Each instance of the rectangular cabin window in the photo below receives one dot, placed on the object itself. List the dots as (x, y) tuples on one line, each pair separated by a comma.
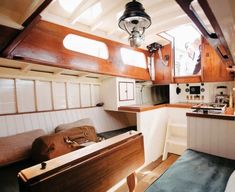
[(86, 46), (133, 58)]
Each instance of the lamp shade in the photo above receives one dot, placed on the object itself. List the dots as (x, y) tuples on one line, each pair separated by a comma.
[(134, 20)]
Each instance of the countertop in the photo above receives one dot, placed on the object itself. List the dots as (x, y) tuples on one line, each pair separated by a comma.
[(142, 108), (227, 115)]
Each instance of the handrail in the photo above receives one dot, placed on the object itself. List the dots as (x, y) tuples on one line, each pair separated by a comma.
[(215, 39), (190, 11)]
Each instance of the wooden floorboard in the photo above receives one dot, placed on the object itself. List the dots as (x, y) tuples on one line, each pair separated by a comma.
[(150, 173)]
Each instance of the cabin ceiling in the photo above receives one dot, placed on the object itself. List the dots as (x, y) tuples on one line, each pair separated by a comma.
[(14, 13), (98, 17)]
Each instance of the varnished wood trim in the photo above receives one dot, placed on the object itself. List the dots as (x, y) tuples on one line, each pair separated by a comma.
[(180, 105), (188, 79), (15, 42), (46, 111), (215, 39), (6, 35), (108, 162), (55, 54), (28, 24), (142, 108), (132, 182)]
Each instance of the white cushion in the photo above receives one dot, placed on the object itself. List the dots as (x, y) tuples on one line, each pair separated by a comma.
[(231, 183)]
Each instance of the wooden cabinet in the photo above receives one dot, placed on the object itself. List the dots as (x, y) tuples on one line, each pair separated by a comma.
[(118, 92), (163, 73), (213, 68)]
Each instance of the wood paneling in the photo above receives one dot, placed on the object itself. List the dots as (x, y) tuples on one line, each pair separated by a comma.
[(13, 43), (44, 45), (163, 73), (216, 39), (95, 168), (6, 34), (15, 37), (188, 79), (142, 108), (214, 69)]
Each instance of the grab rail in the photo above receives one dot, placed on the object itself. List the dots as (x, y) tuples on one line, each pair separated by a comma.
[(215, 39)]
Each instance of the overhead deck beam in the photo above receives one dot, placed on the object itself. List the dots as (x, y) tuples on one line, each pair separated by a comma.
[(83, 6), (28, 24), (107, 13)]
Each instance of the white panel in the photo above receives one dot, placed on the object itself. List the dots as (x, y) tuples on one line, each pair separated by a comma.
[(130, 91), (7, 96), (34, 121), (19, 123), (44, 95), (49, 126), (95, 95), (27, 122), (25, 95), (11, 125), (70, 116), (3, 127), (85, 95), (122, 91), (103, 121), (60, 118), (213, 136), (53, 118), (73, 95), (59, 95), (152, 124)]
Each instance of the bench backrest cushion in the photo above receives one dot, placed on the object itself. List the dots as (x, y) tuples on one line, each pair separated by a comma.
[(78, 123)]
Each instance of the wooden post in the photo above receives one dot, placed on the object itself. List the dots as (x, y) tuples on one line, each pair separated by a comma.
[(132, 182)]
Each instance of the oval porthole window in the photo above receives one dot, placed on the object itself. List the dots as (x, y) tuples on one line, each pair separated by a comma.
[(87, 46), (133, 58)]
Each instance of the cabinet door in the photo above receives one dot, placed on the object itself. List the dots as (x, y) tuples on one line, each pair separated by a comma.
[(122, 91), (130, 90), (163, 73)]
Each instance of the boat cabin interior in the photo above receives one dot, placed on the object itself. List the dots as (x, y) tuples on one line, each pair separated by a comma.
[(117, 96)]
